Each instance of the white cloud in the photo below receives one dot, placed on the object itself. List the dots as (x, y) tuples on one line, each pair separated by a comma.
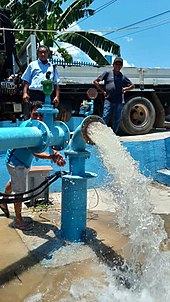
[(70, 48), (128, 39), (126, 64), (73, 51)]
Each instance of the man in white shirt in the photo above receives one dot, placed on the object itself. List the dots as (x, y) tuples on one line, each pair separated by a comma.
[(33, 77)]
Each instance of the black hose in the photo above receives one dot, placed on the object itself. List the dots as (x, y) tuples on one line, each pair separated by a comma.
[(36, 188), (48, 182)]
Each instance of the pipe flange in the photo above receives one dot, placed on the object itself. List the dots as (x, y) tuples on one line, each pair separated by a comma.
[(45, 135), (63, 136), (86, 122)]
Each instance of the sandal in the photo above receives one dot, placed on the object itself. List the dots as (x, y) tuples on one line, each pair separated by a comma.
[(5, 211)]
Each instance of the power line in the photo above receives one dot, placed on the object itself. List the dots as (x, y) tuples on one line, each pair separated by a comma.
[(124, 27), (97, 10), (141, 21), (144, 29), (156, 24), (128, 27), (103, 6)]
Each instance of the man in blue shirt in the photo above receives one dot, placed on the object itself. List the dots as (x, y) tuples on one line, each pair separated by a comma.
[(18, 162), (115, 85), (34, 75)]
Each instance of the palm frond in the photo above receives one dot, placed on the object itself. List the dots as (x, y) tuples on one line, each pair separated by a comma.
[(38, 7), (6, 3), (89, 43), (48, 14), (76, 11)]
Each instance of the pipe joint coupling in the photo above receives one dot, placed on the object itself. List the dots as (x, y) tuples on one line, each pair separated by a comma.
[(85, 124), (45, 135)]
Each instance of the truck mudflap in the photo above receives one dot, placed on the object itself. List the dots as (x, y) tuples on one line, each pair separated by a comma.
[(138, 116)]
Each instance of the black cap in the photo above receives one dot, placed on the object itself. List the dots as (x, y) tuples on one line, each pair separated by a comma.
[(118, 59)]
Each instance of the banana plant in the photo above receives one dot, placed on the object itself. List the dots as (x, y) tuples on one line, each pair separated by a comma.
[(50, 23)]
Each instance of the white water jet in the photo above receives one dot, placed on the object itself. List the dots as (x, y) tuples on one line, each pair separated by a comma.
[(134, 214), (149, 268)]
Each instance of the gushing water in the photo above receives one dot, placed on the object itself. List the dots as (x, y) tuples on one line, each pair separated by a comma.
[(149, 267)]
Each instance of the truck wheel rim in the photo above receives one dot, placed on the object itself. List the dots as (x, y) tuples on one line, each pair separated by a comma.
[(139, 115)]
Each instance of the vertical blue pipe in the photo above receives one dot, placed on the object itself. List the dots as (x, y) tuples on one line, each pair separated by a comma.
[(74, 187), (74, 204), (74, 197)]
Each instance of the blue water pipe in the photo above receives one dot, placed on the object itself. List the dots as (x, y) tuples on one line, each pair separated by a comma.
[(35, 135), (87, 108), (74, 185), (39, 136)]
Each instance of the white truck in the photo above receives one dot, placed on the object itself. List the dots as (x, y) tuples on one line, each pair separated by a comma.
[(146, 107)]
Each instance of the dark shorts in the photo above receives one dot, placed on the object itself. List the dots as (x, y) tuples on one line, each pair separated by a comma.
[(37, 95)]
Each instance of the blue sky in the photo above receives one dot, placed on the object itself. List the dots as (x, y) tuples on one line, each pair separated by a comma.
[(147, 44)]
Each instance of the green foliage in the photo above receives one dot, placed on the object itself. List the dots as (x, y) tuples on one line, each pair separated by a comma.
[(89, 42), (65, 55), (41, 207), (74, 12), (42, 15)]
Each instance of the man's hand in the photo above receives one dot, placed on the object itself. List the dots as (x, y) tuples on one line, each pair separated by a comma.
[(26, 97), (124, 89), (58, 158), (105, 94), (56, 101)]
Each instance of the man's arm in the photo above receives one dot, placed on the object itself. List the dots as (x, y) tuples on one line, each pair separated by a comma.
[(132, 86), (56, 99), (26, 96), (96, 82), (56, 157), (99, 87), (56, 79), (26, 77)]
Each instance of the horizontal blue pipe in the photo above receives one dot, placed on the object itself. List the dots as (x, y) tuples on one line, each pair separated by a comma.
[(35, 135), (16, 137)]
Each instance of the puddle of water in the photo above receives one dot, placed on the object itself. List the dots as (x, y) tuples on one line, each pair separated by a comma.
[(59, 284)]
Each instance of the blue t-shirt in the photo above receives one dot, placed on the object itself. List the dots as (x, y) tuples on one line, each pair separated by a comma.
[(36, 73), (19, 157), (113, 84)]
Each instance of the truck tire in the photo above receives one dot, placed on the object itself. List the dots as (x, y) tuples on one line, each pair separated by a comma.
[(138, 116)]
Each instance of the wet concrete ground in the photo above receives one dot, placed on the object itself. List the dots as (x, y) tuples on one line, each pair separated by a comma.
[(24, 268)]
